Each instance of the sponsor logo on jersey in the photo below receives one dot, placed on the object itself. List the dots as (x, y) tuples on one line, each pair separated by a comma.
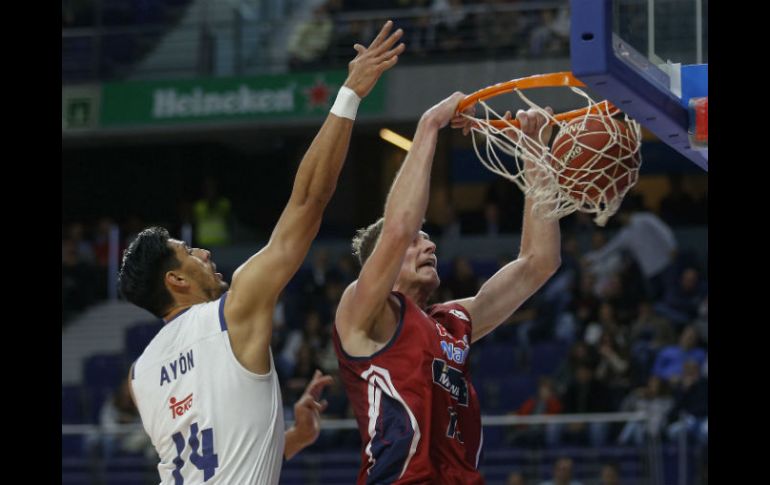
[(456, 350), (451, 380), (459, 315), (178, 408)]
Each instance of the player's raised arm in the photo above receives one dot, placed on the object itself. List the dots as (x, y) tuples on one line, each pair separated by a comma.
[(365, 300), (539, 255), (258, 282)]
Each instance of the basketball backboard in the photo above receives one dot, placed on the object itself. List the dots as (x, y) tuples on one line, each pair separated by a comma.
[(649, 58)]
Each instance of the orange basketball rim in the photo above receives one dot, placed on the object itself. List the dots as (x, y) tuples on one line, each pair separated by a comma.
[(556, 79)]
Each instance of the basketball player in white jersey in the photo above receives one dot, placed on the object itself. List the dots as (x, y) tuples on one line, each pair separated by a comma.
[(206, 387)]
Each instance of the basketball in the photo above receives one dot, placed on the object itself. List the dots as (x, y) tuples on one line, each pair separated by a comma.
[(595, 159)]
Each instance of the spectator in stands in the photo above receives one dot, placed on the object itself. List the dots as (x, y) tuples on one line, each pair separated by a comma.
[(310, 40), (326, 357), (101, 242), (212, 216), (345, 268), (647, 238), (612, 369), (453, 25), (584, 304), (117, 410), (650, 327), (313, 279), (607, 322), (515, 478), (346, 32), (310, 334), (101, 246), (656, 402), (669, 364), (650, 332), (562, 473), (500, 29), (625, 289), (609, 475), (579, 354), (585, 395), (681, 301), (76, 232), (77, 281), (690, 411), (302, 374), (604, 269), (678, 207), (544, 402), (551, 37)]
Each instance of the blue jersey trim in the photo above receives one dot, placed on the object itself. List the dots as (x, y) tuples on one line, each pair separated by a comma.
[(392, 339), (166, 322), (222, 321)]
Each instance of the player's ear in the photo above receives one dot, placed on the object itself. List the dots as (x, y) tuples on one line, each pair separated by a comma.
[(175, 280)]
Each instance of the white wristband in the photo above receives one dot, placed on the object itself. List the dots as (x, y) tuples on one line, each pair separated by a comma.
[(346, 104)]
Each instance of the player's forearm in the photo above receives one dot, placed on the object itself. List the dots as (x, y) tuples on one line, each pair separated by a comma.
[(408, 199), (293, 443), (320, 167), (540, 239)]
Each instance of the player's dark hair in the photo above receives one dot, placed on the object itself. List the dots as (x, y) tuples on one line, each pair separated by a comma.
[(144, 266)]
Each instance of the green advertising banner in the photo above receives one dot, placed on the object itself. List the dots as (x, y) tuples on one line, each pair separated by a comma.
[(80, 107), (228, 99)]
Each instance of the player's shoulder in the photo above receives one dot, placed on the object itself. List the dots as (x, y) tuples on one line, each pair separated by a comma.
[(190, 325), (449, 309)]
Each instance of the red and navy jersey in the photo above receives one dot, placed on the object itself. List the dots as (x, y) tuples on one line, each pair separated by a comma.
[(417, 411)]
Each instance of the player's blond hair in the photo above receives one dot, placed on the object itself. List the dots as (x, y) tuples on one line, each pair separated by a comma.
[(365, 240)]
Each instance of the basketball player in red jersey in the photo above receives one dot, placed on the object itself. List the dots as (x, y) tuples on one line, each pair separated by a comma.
[(404, 365)]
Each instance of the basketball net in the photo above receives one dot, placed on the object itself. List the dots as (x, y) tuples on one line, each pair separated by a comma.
[(596, 186)]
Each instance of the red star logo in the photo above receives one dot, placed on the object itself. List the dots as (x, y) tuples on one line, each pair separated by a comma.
[(318, 94)]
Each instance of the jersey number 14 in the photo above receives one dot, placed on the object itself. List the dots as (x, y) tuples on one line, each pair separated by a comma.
[(206, 461)]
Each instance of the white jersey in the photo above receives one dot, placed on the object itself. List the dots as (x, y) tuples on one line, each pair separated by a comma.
[(209, 418)]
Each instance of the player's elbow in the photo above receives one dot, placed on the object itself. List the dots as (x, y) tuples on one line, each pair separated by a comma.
[(551, 266)]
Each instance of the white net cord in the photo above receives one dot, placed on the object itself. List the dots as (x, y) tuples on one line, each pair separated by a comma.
[(595, 185)]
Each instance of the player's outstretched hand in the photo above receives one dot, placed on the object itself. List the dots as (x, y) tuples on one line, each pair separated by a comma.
[(460, 121), (445, 111), (534, 125), (372, 61), (308, 409)]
